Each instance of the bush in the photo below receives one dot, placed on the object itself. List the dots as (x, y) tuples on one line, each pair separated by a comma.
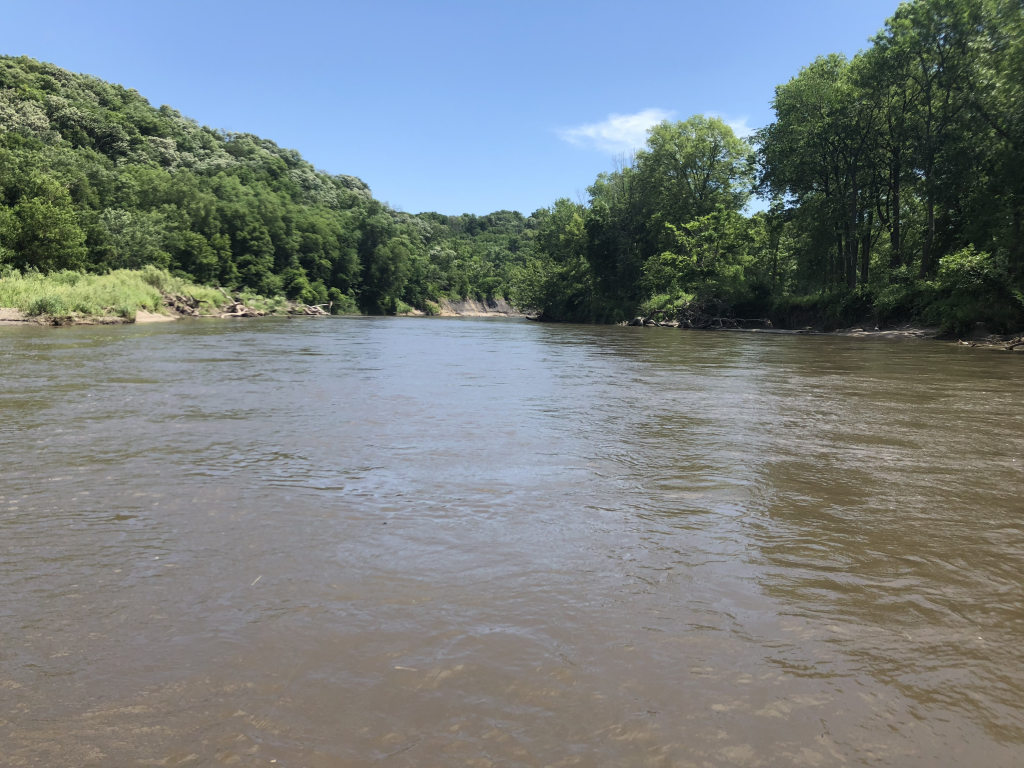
[(669, 303), (55, 306), (970, 271), (971, 288), (898, 302), (341, 303), (159, 279), (121, 292)]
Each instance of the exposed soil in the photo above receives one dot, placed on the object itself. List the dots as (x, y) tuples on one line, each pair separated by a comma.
[(497, 307), (142, 316), (10, 316)]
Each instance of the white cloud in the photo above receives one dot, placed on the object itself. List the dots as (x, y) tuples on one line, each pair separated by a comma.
[(619, 133), (739, 125)]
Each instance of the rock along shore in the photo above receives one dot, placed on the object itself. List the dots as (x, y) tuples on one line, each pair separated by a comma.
[(980, 337)]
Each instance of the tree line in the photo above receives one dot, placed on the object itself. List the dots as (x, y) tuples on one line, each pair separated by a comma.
[(892, 185), (889, 186), (93, 178)]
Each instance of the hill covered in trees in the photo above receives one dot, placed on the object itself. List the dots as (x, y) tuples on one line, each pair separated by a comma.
[(94, 178), (893, 185)]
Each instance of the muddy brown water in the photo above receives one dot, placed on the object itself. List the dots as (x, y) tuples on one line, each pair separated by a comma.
[(432, 542)]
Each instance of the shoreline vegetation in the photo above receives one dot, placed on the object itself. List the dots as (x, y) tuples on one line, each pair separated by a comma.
[(128, 296), (892, 188), (152, 295)]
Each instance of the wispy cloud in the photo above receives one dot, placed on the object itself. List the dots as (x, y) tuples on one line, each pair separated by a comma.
[(619, 133), (739, 125)]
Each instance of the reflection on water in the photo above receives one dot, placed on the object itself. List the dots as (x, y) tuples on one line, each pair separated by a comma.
[(476, 542)]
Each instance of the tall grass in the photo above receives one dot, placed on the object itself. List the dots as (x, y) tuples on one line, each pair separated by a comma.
[(119, 293)]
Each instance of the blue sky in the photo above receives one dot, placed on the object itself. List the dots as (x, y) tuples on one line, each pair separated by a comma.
[(445, 106)]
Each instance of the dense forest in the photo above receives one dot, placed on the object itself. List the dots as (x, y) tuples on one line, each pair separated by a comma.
[(93, 178), (891, 188), (893, 183)]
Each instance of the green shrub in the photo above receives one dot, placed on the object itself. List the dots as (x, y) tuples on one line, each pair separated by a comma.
[(969, 271), (158, 278), (49, 304), (65, 277), (898, 302), (972, 288), (121, 292), (669, 303), (341, 303)]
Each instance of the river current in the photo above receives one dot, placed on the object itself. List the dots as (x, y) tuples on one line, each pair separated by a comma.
[(456, 542)]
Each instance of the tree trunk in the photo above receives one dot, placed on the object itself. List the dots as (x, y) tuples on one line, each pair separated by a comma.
[(851, 244), (894, 232), (865, 256), (837, 266), (775, 264), (1016, 243), (929, 239)]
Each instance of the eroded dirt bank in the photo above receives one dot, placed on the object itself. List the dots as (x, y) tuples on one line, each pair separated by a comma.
[(496, 307)]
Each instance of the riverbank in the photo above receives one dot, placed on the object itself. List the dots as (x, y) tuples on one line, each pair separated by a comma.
[(494, 307), (491, 307), (129, 296), (154, 295), (169, 314), (980, 337)]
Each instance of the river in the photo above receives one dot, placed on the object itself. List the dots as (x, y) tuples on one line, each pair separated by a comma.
[(424, 542)]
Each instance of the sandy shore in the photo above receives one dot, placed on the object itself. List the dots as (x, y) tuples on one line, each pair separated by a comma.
[(10, 316), (17, 317), (142, 316)]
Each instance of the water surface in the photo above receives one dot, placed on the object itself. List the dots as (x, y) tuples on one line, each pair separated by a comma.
[(427, 542)]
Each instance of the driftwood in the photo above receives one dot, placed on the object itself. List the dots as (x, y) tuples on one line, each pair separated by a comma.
[(699, 314), (696, 314), (1012, 344), (239, 309), (183, 305), (236, 306), (311, 309)]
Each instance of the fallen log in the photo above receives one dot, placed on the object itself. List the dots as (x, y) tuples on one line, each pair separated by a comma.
[(240, 309), (183, 305)]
